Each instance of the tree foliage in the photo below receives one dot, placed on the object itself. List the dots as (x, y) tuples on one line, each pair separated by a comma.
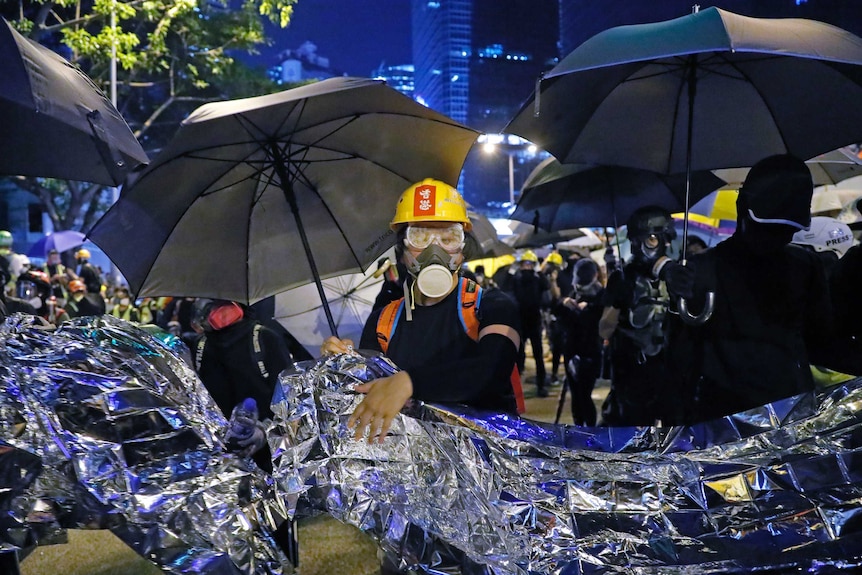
[(171, 56)]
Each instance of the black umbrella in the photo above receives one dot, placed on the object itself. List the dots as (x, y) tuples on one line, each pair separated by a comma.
[(55, 122), (255, 196), (565, 196), (708, 90)]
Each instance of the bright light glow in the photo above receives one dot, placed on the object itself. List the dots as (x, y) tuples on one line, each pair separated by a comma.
[(532, 148), (489, 147)]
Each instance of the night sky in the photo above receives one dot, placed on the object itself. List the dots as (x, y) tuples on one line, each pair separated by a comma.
[(356, 35)]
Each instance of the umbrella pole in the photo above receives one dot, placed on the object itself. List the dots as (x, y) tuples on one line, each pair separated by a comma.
[(692, 88), (709, 303), (290, 196)]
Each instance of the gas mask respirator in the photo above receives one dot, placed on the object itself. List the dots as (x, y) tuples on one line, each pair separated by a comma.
[(648, 249), (433, 269)]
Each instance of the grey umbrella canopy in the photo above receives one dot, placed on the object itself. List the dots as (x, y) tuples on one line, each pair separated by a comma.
[(708, 90), (564, 196), (55, 121), (826, 169), (252, 197)]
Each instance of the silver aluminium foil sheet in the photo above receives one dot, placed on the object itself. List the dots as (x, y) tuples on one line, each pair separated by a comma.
[(104, 426), (772, 490)]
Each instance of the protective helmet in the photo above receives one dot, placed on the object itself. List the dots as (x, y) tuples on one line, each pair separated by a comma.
[(554, 258), (76, 286), (82, 254), (430, 201), (31, 283), (826, 234), (528, 256), (650, 220), (5, 239)]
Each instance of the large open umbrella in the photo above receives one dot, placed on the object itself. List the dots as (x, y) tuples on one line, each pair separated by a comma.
[(55, 122), (565, 196), (350, 297), (708, 90), (61, 241), (252, 197)]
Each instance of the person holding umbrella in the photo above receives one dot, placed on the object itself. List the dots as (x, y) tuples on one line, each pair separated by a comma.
[(772, 311), (454, 342), (634, 319)]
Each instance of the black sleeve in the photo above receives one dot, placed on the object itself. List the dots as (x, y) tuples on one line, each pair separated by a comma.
[(368, 340)]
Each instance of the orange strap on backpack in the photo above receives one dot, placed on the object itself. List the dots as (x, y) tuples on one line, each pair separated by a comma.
[(469, 298)]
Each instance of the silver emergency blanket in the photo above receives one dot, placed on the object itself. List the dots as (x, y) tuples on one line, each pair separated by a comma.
[(104, 426), (774, 489)]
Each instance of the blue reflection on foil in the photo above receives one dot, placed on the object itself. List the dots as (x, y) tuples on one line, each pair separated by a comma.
[(103, 425), (775, 489)]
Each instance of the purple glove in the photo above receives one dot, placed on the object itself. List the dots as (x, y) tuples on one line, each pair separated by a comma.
[(254, 442)]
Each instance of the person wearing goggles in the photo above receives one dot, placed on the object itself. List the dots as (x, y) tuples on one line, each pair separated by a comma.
[(426, 336)]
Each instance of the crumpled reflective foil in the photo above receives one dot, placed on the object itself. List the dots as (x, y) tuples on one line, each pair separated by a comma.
[(104, 426), (775, 489)]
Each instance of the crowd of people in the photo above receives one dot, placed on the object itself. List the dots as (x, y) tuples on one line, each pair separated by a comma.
[(731, 327), (727, 328)]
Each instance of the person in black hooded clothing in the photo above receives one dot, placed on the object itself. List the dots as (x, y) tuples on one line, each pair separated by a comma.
[(772, 310), (236, 356)]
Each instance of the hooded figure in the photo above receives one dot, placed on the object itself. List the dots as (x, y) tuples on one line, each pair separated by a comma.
[(772, 309)]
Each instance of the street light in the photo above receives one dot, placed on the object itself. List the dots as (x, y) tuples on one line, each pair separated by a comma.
[(511, 145)]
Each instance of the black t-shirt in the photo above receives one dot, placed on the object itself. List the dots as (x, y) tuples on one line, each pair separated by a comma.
[(444, 363)]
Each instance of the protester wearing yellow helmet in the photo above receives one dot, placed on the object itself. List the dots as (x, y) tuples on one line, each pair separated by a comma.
[(87, 272), (447, 350)]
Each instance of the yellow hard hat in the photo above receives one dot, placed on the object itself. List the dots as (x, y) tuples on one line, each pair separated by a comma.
[(554, 258), (431, 201), (529, 256), (82, 253)]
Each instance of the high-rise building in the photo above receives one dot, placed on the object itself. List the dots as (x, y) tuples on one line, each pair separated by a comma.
[(442, 32), (399, 77), (477, 61)]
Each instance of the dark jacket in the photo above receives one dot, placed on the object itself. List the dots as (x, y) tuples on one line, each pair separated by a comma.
[(770, 317), (231, 369)]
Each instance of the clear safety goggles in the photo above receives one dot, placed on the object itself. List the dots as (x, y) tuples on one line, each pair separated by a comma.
[(450, 238)]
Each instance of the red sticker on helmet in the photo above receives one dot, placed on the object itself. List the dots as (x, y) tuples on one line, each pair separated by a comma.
[(424, 200)]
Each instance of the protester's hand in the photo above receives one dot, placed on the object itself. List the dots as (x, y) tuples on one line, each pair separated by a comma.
[(384, 399), (679, 279), (333, 346), (255, 443)]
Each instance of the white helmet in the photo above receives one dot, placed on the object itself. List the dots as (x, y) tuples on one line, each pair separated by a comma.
[(826, 234)]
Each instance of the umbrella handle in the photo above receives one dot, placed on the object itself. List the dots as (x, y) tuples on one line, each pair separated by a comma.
[(703, 317)]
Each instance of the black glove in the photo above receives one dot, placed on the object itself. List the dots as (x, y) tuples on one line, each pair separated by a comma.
[(678, 278)]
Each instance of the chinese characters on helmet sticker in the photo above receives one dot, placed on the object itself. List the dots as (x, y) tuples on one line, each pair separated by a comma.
[(425, 200)]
